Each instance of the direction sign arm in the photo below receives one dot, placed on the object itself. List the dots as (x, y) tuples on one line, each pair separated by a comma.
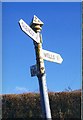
[(51, 56), (28, 30)]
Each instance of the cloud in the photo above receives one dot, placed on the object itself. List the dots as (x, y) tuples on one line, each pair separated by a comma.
[(20, 89)]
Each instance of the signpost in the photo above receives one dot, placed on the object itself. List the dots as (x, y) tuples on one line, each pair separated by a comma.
[(39, 69)]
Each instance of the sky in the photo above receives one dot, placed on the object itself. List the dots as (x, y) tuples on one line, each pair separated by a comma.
[(61, 34), (42, 0)]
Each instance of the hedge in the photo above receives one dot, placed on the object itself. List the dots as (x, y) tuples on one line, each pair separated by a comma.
[(64, 105)]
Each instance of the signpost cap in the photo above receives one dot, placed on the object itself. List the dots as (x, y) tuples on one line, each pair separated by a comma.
[(36, 21)]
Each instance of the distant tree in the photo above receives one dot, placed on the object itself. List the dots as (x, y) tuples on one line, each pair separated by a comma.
[(68, 89)]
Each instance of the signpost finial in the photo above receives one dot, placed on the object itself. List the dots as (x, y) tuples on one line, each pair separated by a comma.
[(36, 24)]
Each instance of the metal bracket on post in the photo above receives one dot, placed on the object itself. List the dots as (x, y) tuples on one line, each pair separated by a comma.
[(33, 70)]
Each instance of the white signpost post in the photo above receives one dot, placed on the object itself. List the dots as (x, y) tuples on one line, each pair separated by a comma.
[(38, 70)]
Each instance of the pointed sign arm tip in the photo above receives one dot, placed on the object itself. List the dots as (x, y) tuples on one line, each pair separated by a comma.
[(20, 20)]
